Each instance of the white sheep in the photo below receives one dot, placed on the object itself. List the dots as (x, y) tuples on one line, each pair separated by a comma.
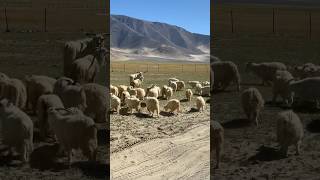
[(281, 86), (137, 83), (114, 90), (85, 69), (73, 96), (172, 80), (225, 72), (252, 103), (307, 89), (289, 131), (16, 129), (74, 131), (153, 91), (167, 92), (141, 93), (97, 101), (200, 103), (37, 86), (44, 103), (133, 103), (266, 71), (115, 103), (77, 49), (15, 91), (121, 88), (198, 89), (193, 83), (217, 141), (173, 105), (138, 75), (180, 85), (205, 83), (61, 83), (173, 85), (152, 104), (132, 91), (124, 96), (189, 94)]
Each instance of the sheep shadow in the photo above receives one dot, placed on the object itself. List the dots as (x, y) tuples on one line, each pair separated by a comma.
[(167, 114), (208, 101), (314, 126), (184, 100), (142, 115), (266, 154), (192, 110), (124, 111), (237, 123), (44, 158), (94, 169)]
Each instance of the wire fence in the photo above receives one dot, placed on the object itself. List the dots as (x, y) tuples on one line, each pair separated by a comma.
[(37, 19), (126, 67), (282, 20)]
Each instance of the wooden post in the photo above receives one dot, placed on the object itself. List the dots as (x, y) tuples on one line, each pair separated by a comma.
[(232, 22), (6, 17), (310, 25), (45, 19), (273, 22)]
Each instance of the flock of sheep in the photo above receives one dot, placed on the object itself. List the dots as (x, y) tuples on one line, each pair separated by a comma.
[(295, 85), (67, 108), (133, 96)]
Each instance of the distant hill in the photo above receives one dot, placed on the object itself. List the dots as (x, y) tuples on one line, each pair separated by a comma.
[(155, 38)]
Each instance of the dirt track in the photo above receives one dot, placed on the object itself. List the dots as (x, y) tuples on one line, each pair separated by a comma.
[(183, 156)]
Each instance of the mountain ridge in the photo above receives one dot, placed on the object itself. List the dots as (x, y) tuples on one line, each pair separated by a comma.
[(161, 38)]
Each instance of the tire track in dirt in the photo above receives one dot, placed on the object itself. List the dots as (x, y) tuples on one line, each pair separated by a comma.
[(184, 156)]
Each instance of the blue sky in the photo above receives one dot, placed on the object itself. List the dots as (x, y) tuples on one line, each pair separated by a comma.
[(193, 15)]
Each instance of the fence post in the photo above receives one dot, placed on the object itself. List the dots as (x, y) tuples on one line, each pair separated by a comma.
[(273, 21), (232, 22), (310, 25), (45, 19), (6, 17)]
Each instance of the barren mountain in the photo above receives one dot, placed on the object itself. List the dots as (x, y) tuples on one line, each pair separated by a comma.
[(131, 36)]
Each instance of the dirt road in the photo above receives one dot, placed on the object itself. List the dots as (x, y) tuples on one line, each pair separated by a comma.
[(183, 156)]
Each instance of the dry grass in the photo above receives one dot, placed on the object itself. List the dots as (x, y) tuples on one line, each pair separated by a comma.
[(154, 67)]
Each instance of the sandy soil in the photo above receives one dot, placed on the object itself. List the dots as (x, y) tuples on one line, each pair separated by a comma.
[(183, 156)]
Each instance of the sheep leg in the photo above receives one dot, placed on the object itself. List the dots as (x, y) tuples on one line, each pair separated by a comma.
[(23, 152), (255, 115), (298, 148), (69, 157), (218, 157)]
